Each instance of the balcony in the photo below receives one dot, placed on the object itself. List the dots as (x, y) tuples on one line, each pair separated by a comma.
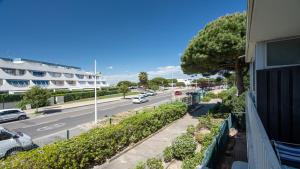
[(80, 76), (58, 82), (37, 73), (260, 151), (71, 83), (14, 72), (54, 74), (18, 83), (41, 83), (68, 75)]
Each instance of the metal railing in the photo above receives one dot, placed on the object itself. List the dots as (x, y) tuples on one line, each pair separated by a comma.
[(261, 154)]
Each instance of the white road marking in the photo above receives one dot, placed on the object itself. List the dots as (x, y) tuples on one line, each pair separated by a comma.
[(51, 127)]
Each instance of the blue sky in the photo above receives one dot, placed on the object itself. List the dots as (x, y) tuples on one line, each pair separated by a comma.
[(125, 36)]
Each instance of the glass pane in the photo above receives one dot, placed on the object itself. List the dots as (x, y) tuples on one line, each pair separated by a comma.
[(285, 52)]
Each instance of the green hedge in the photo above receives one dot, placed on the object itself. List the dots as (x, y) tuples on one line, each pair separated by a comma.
[(97, 145), (89, 94), (4, 98)]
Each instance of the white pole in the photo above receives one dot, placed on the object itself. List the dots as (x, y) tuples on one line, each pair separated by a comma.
[(172, 88), (95, 84)]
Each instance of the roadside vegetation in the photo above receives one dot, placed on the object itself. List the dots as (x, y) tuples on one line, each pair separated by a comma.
[(189, 148), (97, 145)]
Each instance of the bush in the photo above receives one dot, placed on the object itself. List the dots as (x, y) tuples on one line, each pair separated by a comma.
[(140, 165), (200, 137), (97, 145), (190, 129), (183, 146), (192, 162), (168, 154), (204, 122), (4, 98), (154, 163)]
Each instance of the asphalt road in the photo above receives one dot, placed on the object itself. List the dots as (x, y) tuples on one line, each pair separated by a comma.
[(65, 119)]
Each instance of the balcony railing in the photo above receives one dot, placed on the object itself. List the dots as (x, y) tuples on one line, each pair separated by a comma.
[(260, 151)]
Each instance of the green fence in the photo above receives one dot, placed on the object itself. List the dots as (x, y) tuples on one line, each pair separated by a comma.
[(235, 120)]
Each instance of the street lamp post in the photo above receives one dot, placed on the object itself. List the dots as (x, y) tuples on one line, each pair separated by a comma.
[(95, 85)]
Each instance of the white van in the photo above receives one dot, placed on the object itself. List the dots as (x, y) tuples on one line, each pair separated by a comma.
[(12, 142)]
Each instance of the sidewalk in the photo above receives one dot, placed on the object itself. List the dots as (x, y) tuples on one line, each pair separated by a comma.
[(153, 146)]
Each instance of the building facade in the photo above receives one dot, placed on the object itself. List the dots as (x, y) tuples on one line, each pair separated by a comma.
[(19, 75), (273, 107)]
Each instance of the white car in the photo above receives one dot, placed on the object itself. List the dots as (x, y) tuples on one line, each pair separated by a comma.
[(151, 93), (12, 142), (12, 114), (139, 99)]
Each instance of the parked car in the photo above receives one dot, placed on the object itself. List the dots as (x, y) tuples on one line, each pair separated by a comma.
[(143, 94), (12, 142), (177, 93), (12, 114), (139, 99)]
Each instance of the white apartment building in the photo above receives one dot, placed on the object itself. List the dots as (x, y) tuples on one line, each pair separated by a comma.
[(19, 75)]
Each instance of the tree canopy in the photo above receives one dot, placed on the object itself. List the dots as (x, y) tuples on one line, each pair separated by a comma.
[(219, 46), (36, 97), (143, 78), (126, 82), (159, 81), (124, 89)]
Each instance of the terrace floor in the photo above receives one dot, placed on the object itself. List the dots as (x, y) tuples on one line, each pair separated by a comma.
[(236, 150)]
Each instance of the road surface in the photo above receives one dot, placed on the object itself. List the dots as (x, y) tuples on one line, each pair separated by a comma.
[(65, 119)]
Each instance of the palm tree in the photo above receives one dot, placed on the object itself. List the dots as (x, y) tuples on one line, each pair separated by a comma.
[(143, 77)]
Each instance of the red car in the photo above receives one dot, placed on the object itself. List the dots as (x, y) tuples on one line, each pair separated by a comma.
[(177, 93)]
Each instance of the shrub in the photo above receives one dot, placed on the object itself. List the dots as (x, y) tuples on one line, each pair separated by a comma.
[(200, 137), (206, 99), (204, 122), (183, 146), (97, 145), (4, 98), (154, 163), (168, 154), (192, 162), (140, 165), (190, 129)]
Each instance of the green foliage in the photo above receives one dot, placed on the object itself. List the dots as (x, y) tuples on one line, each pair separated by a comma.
[(124, 89), (183, 146), (143, 78), (4, 98), (192, 162), (127, 83), (153, 87), (160, 81), (191, 129), (154, 163), (97, 145), (204, 122), (199, 137), (88, 94), (218, 47), (180, 84), (168, 154), (140, 165), (36, 96)]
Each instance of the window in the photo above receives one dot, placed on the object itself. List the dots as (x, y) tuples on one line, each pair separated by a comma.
[(285, 52), (54, 74), (79, 76), (14, 72), (58, 82), (38, 73), (18, 83), (4, 136), (71, 82), (41, 83), (68, 75)]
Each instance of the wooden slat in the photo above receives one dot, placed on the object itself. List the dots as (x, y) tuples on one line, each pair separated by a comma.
[(273, 104), (296, 105), (262, 97), (285, 106)]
